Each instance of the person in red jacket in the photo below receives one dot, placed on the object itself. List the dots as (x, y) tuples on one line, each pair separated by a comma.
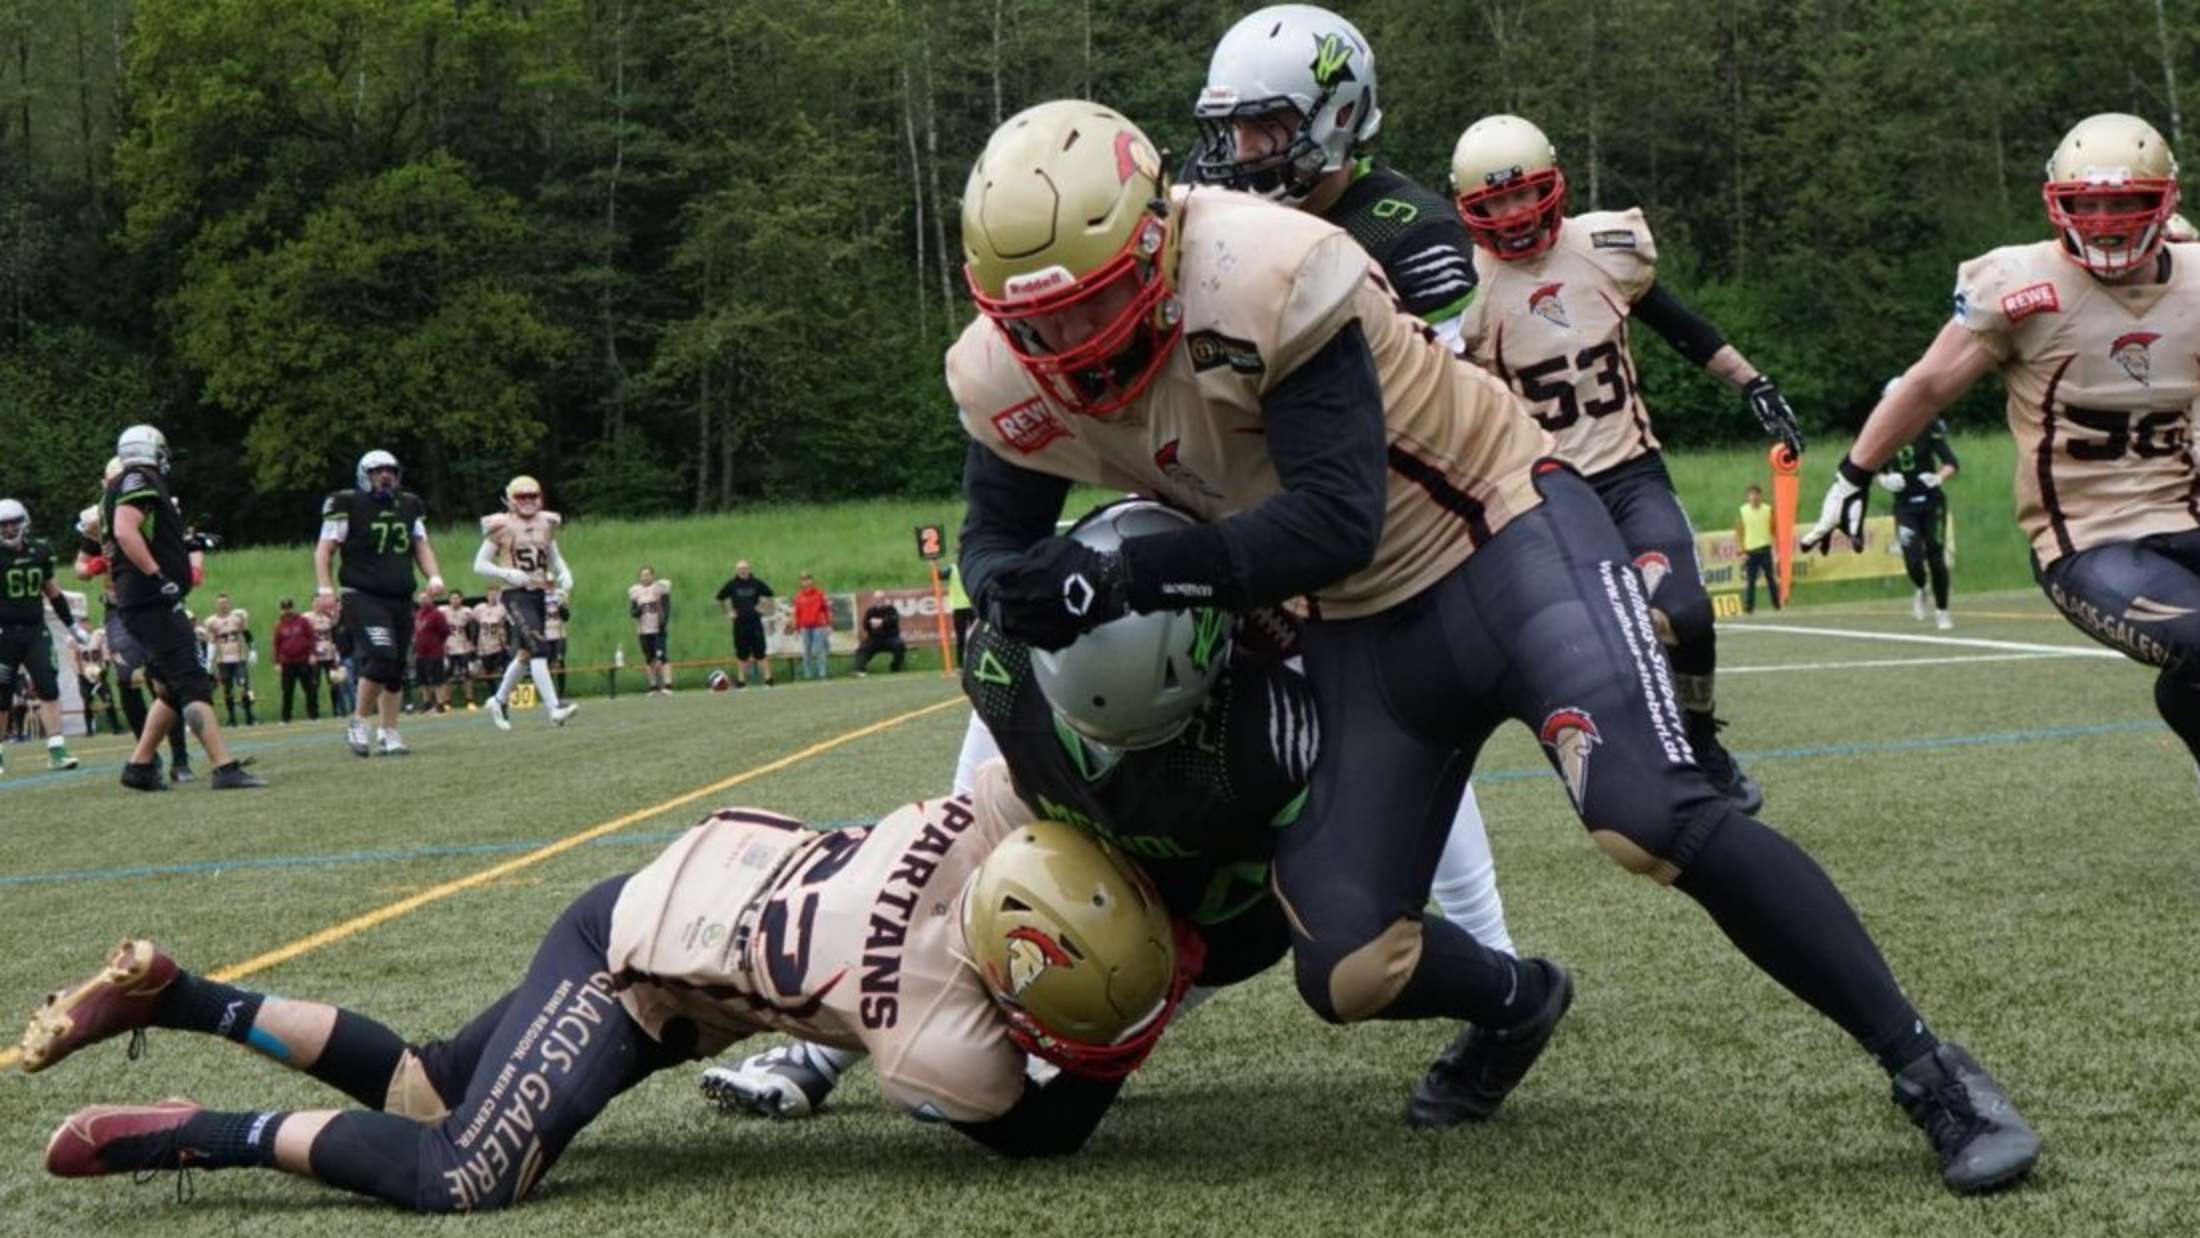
[(813, 616), (294, 640), (431, 663)]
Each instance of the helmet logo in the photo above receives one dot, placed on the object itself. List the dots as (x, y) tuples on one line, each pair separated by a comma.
[(1570, 735), (1030, 953), (1208, 626), (1544, 304), (1332, 60), (2130, 352), (1134, 158), (1033, 283)]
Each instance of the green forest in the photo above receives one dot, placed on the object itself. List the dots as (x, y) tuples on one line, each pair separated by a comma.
[(684, 255)]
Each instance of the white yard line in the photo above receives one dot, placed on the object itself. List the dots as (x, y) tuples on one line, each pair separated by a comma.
[(1959, 642), (1876, 663)]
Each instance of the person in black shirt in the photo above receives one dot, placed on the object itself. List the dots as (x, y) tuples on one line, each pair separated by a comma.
[(122, 649), (881, 634), (1915, 477), (383, 532), (743, 596), (26, 588), (150, 565)]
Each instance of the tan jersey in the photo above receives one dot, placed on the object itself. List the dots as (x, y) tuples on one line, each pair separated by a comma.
[(553, 627), (1263, 288), (324, 635), (651, 598), (227, 632), (852, 938), (459, 645), (489, 629), (524, 542), (91, 659), (1554, 327), (2101, 381)]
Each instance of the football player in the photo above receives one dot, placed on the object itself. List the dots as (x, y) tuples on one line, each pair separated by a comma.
[(122, 649), (27, 588), (649, 601), (1454, 575), (382, 530), (91, 670), (152, 572), (234, 655), (1559, 295), (519, 546), (1914, 476), (2105, 479), (460, 649), (980, 936)]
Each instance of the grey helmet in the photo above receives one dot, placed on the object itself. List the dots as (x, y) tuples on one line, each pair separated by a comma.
[(1286, 56), (15, 523), (371, 461), (142, 444), (1135, 681)]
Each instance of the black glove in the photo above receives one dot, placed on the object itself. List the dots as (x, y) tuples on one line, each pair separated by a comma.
[(1056, 590), (1773, 412)]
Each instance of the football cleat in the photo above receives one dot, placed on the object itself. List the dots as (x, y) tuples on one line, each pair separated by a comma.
[(777, 1083), (498, 715), (393, 745), (181, 772), (59, 758), (117, 998), (1726, 774), (1943, 620), (1480, 1068), (144, 777), (1917, 605), (355, 735), (234, 777), (1982, 1141), (121, 1139), (564, 710)]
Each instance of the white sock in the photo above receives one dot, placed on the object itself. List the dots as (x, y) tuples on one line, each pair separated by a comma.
[(1466, 879), (826, 1060), (512, 672), (978, 748), (545, 686), (55, 741)]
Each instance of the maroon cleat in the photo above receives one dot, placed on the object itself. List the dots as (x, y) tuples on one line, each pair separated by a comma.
[(117, 998), (121, 1139)]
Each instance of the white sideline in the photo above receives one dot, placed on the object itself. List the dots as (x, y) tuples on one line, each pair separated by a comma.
[(1875, 663), (1960, 642)]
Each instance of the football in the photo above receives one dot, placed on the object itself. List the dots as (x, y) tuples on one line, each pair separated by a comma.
[(720, 681)]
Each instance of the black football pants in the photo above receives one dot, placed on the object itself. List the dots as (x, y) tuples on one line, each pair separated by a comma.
[(1639, 495), (2143, 598), (1922, 530)]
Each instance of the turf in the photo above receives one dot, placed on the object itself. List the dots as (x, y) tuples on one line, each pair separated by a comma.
[(2013, 831)]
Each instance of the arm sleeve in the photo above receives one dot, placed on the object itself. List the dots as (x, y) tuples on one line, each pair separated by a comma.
[(564, 573), (1050, 1119), (1009, 509), (1690, 333), (485, 564), (1324, 430)]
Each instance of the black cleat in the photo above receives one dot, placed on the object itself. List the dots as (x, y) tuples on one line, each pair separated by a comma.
[(1982, 1140), (144, 777), (1480, 1068), (233, 777), (181, 772), (1719, 765)]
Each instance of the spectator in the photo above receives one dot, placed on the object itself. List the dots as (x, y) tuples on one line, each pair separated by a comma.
[(744, 596), (813, 616), (230, 630), (91, 672), (555, 614), (1755, 533), (346, 675), (959, 607), (650, 603), (490, 633), (431, 655), (295, 640), (327, 664), (881, 634), (459, 648)]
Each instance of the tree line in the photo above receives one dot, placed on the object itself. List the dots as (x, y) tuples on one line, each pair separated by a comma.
[(675, 255)]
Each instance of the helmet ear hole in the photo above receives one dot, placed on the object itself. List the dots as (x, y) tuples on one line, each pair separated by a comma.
[(1010, 902)]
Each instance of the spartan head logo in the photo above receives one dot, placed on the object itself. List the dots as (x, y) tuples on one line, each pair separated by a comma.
[(1030, 953), (2130, 352), (1166, 459), (1655, 567), (1570, 734), (1544, 304)]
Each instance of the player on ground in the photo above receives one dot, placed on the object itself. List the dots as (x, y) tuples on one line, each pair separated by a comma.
[(153, 572), (519, 546), (234, 655), (649, 601), (1455, 576), (1559, 295), (979, 935), (382, 531), (1914, 476), (27, 588), (2090, 331), (122, 649)]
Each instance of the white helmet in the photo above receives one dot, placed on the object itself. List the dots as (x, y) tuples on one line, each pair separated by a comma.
[(142, 445), (1134, 682), (15, 523), (1286, 56), (373, 460)]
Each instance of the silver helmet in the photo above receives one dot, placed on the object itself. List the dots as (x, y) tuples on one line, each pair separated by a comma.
[(371, 461), (1135, 681), (1283, 60), (142, 444), (15, 523)]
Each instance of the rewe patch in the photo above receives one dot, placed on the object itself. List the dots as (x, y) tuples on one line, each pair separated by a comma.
[(1029, 426), (2029, 300)]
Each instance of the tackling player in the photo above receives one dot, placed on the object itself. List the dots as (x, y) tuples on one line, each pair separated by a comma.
[(2090, 331), (234, 655), (1454, 576), (27, 588), (979, 936), (382, 531), (649, 601), (1559, 294), (519, 546)]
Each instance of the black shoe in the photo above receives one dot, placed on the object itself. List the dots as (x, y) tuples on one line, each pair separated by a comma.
[(1481, 1067), (1719, 765), (1982, 1140), (144, 777), (232, 777), (180, 773)]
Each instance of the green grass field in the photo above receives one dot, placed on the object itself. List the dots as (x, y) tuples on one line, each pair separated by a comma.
[(2009, 816)]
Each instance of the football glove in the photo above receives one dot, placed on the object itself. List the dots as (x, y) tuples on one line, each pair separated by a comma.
[(1893, 483), (1931, 481), (1058, 589), (1773, 412), (1842, 511)]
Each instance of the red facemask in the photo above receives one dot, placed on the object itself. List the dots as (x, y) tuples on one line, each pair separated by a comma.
[(1116, 1061), (1097, 368), (2110, 244), (1525, 231)]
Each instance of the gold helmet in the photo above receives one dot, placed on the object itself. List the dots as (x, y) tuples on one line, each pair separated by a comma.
[(523, 495), (2180, 231), (1076, 949), (2111, 192), (1069, 246), (1495, 159)]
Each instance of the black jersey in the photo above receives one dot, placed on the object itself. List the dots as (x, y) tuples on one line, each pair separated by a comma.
[(1925, 454), (24, 571), (746, 593), (1200, 813), (1415, 235), (146, 489), (376, 536)]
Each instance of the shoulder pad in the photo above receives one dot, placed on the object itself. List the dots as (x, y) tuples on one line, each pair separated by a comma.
[(492, 523), (338, 503), (553, 519), (133, 480)]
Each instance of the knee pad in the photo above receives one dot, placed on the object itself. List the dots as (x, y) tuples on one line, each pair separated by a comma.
[(412, 1093), (1364, 981), (1659, 846)]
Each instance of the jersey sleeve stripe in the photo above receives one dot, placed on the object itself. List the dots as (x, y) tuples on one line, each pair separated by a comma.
[(1447, 496), (2045, 464)]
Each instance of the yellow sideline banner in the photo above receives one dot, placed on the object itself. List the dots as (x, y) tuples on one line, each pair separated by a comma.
[(1719, 555)]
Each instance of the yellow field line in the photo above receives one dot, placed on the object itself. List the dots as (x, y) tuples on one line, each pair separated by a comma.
[(406, 906)]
